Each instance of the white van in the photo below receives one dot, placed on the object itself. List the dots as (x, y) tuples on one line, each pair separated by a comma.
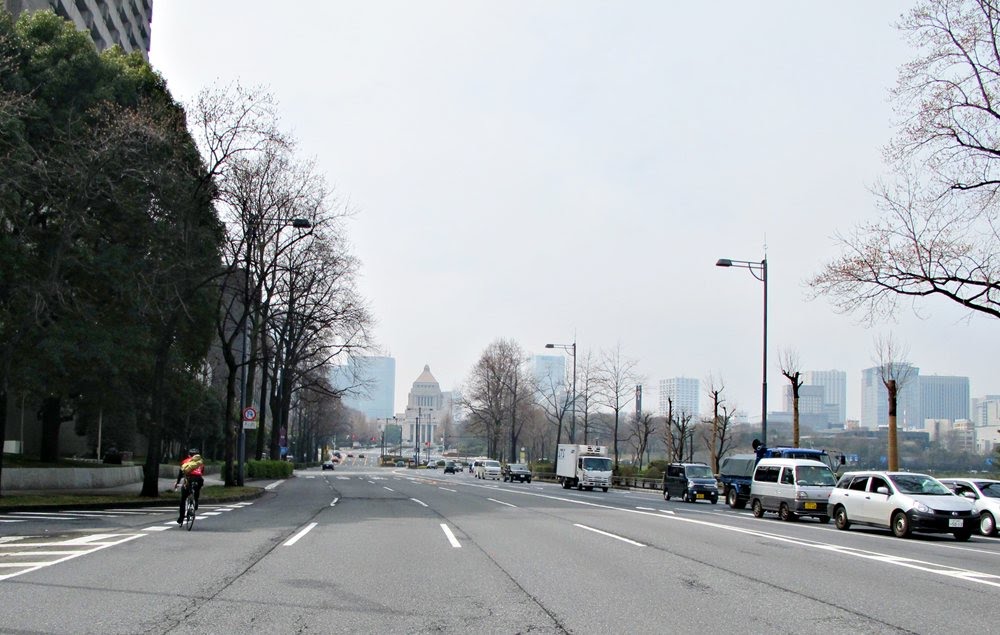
[(792, 488)]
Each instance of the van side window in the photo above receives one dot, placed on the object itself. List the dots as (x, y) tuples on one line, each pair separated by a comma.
[(673, 470), (876, 483), (767, 474), (788, 476), (859, 483)]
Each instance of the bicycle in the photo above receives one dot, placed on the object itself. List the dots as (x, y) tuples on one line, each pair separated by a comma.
[(188, 504)]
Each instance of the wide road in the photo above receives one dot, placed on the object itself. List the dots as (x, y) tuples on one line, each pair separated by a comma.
[(365, 549)]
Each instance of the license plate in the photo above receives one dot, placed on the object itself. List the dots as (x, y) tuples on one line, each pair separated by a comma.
[(955, 522), (700, 495), (810, 505)]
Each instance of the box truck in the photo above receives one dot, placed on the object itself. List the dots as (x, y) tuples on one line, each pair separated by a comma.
[(583, 466)]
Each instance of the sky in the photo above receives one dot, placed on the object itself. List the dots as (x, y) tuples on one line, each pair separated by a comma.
[(566, 171)]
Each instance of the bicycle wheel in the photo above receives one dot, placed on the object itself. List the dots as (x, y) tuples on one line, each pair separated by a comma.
[(189, 517)]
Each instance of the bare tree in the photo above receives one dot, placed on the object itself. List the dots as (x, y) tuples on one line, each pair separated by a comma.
[(938, 235), (788, 359), (556, 402), (895, 373), (487, 393), (586, 393), (715, 389), (643, 429), (616, 387), (718, 435)]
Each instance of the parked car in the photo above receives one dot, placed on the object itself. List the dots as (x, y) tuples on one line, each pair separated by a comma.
[(793, 488), (450, 468), (691, 481), (488, 469), (328, 465), (516, 472), (903, 502), (432, 465), (400, 463), (984, 494)]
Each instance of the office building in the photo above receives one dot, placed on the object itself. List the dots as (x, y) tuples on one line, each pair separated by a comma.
[(549, 373), (369, 384), (944, 397), (986, 411), (875, 399), (684, 392), (109, 22), (834, 383)]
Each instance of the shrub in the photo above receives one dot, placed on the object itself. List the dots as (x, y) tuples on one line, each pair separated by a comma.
[(269, 469)]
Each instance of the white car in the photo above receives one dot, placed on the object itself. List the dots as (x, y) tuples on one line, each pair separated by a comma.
[(903, 502), (985, 495), (488, 469)]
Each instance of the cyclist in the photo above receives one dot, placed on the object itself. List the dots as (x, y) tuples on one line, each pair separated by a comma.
[(192, 467)]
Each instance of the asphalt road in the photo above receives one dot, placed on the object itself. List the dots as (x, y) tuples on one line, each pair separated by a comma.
[(364, 549)]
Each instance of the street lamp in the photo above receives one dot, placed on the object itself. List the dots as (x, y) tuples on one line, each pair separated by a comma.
[(572, 349), (757, 270), (297, 223)]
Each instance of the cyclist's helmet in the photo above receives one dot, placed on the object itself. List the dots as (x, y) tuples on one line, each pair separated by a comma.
[(193, 451)]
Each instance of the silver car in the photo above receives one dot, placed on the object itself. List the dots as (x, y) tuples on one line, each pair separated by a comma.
[(984, 494), (903, 502)]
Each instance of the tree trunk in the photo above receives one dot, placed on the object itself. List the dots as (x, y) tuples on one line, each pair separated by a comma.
[(893, 447), (51, 422), (3, 427)]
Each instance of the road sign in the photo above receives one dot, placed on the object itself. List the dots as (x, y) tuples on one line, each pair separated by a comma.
[(249, 413)]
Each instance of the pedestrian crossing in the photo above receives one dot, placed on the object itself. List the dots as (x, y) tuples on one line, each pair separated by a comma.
[(70, 515)]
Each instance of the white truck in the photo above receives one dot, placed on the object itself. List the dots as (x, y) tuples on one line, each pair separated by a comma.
[(583, 466)]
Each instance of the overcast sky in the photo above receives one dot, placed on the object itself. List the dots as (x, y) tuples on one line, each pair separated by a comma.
[(544, 171)]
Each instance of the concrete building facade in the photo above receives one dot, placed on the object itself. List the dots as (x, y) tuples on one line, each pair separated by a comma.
[(109, 22)]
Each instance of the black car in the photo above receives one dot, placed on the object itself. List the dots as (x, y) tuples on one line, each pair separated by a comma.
[(450, 468), (691, 482), (516, 472), (328, 465)]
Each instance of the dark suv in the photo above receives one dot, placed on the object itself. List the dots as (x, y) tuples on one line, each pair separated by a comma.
[(691, 482), (516, 472)]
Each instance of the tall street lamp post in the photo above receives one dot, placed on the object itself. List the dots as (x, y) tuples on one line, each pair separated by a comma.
[(571, 348), (297, 223), (757, 270)]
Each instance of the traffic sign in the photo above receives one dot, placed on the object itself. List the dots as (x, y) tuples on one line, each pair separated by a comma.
[(249, 413)]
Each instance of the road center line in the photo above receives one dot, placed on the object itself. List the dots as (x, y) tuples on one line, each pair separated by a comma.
[(451, 537), (294, 539), (449, 490), (604, 533), (388, 488)]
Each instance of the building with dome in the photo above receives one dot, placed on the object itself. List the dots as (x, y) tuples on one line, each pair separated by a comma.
[(426, 408)]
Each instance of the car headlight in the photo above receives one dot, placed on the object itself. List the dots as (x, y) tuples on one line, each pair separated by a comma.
[(690, 483), (920, 507)]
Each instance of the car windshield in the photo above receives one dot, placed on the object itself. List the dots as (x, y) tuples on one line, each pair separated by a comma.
[(492, 463), (699, 471), (919, 484), (814, 475), (517, 466), (597, 463), (990, 490)]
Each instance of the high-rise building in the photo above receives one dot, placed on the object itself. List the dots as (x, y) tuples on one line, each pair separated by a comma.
[(944, 397), (875, 399), (371, 385), (684, 392), (834, 383), (549, 372), (109, 22), (986, 411)]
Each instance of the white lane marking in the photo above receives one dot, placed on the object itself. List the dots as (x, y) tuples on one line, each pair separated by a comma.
[(449, 490), (419, 502), (274, 484), (21, 519), (666, 511), (451, 537), (334, 502), (501, 502), (210, 514), (372, 482), (647, 509), (34, 566), (388, 488), (604, 533), (156, 528), (294, 539)]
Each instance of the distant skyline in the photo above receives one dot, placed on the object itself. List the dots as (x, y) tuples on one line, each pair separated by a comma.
[(572, 170)]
